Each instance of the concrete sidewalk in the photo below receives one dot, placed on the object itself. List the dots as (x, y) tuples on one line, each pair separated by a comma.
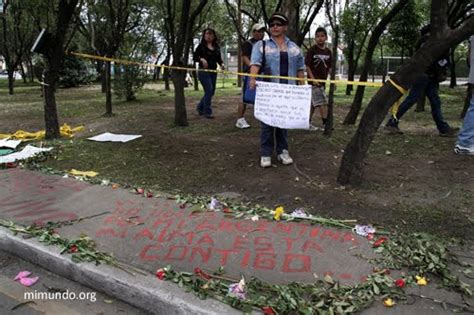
[(150, 233)]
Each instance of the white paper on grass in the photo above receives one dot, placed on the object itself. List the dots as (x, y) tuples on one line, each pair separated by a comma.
[(107, 136), (26, 153), (12, 144), (283, 105)]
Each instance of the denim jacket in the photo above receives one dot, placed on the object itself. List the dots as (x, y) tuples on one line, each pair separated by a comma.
[(272, 58)]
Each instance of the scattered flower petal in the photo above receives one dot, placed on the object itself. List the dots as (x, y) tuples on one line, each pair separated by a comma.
[(421, 281), (364, 230), (161, 274), (254, 218), (28, 282), (388, 302), (380, 241), (214, 204), (139, 191), (201, 273), (238, 289), (22, 274), (268, 310), (400, 283), (299, 213), (278, 212)]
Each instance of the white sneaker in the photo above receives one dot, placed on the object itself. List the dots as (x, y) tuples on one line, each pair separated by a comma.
[(459, 149), (313, 127), (242, 123), (285, 158), (265, 161)]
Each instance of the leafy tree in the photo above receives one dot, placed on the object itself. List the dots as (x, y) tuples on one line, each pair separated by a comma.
[(105, 24), (17, 36), (372, 44), (357, 21), (183, 14), (403, 31), (441, 38)]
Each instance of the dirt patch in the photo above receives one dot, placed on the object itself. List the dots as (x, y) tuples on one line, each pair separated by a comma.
[(412, 182)]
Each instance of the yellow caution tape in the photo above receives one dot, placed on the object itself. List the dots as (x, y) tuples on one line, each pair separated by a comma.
[(83, 173), (128, 62), (65, 130), (394, 109)]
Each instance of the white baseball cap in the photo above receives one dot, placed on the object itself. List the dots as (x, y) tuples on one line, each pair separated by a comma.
[(257, 27)]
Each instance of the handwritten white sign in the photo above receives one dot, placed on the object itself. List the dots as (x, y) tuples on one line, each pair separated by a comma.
[(283, 105)]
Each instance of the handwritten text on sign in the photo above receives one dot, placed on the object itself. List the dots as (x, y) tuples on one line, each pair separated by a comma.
[(283, 105)]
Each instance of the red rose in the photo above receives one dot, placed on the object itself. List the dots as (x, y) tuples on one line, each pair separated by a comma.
[(140, 191), (227, 210), (149, 194), (160, 274), (11, 165), (182, 206), (201, 273), (370, 236), (268, 310), (380, 241), (73, 249), (400, 283)]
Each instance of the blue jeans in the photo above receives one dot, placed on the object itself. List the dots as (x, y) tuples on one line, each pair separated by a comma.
[(208, 81), (466, 136), (266, 139), (430, 87)]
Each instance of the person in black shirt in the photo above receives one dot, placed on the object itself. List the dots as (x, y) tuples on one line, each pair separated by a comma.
[(258, 31), (208, 55)]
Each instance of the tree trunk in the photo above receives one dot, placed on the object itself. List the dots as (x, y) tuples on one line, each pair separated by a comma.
[(351, 117), (420, 104), (332, 88), (103, 79), (31, 70), (441, 39), (108, 90), (352, 165), (452, 68), (23, 73), (180, 116), (291, 8), (350, 70), (196, 81), (50, 108), (11, 80)]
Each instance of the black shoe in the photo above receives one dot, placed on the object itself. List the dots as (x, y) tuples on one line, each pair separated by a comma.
[(199, 112), (451, 132), (394, 130)]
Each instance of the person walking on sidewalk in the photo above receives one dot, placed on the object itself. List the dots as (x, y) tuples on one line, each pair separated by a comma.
[(465, 142), (318, 65), (208, 55), (258, 31), (428, 83), (283, 58)]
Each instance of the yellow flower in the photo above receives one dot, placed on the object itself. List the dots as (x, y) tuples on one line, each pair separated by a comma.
[(278, 212), (421, 280), (388, 302)]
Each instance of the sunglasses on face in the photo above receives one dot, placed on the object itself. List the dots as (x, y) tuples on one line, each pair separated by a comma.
[(276, 24)]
